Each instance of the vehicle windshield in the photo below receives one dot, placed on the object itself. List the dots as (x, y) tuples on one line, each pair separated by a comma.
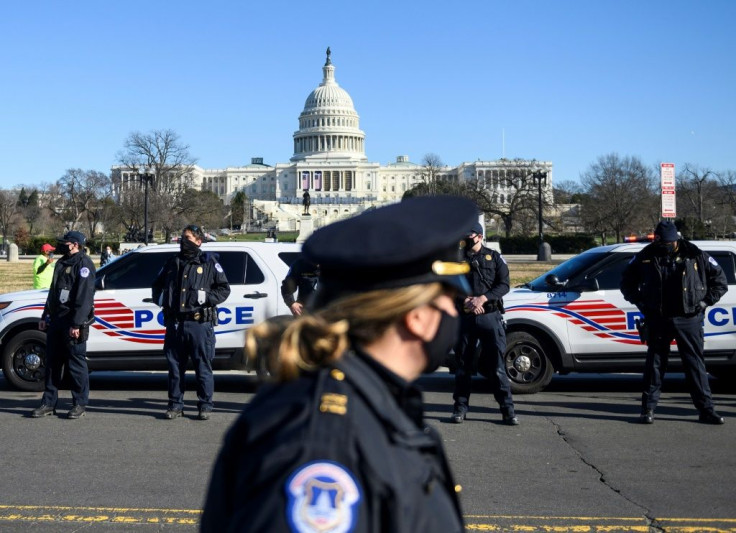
[(567, 270)]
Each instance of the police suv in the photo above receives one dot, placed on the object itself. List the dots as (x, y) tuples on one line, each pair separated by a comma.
[(128, 332), (574, 319)]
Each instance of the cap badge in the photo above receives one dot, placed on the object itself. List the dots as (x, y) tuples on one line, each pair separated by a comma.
[(446, 268)]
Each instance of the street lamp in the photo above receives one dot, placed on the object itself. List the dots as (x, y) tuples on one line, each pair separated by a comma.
[(540, 178), (146, 176)]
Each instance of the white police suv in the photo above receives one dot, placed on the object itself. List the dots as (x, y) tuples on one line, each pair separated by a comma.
[(128, 333), (574, 319)]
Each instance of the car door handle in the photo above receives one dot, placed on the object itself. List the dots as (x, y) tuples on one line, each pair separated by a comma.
[(147, 300), (255, 295)]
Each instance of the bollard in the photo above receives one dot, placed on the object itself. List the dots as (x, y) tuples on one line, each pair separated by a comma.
[(13, 253)]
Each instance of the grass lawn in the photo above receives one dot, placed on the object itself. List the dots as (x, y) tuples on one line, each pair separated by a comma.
[(18, 276)]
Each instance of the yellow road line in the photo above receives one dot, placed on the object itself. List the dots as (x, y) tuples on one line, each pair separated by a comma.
[(112, 515), (596, 524), (492, 523)]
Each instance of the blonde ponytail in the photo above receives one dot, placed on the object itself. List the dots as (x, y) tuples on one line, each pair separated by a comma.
[(293, 345)]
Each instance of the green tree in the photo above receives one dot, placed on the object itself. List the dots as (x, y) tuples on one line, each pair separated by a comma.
[(237, 208)]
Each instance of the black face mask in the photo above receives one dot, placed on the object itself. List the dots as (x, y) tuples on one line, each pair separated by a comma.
[(188, 249), (469, 242), (445, 338), (62, 248)]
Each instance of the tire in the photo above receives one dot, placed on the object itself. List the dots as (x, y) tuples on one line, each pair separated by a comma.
[(527, 365), (24, 360)]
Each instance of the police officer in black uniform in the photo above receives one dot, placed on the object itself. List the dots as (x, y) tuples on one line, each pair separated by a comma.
[(66, 318), (672, 282), (302, 279), (482, 322), (189, 287), (338, 442)]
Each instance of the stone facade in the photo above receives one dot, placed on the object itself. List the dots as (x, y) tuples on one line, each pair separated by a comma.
[(330, 163)]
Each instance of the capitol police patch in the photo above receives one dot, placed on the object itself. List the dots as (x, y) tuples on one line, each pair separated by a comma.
[(218, 267), (712, 261), (322, 497), (84, 272)]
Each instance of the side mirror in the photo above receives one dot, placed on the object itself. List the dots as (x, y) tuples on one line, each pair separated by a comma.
[(553, 281), (100, 283)]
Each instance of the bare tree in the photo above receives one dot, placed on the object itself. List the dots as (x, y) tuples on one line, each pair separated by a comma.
[(84, 193), (162, 154), (702, 203), (9, 213), (618, 192), (431, 168), (518, 208), (568, 192)]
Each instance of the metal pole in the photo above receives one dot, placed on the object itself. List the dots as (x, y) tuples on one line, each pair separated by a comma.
[(541, 235), (145, 210), (542, 254)]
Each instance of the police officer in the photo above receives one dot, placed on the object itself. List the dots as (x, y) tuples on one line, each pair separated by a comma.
[(482, 322), (189, 287), (672, 282), (67, 316), (302, 277), (338, 442)]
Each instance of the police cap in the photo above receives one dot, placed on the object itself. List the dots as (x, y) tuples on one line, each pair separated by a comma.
[(73, 236), (475, 228), (667, 231), (413, 242)]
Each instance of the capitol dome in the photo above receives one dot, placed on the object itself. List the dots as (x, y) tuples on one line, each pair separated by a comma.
[(329, 126)]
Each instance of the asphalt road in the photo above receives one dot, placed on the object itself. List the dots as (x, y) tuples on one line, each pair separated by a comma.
[(578, 461)]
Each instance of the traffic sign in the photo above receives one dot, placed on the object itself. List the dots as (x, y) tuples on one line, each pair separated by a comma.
[(669, 202)]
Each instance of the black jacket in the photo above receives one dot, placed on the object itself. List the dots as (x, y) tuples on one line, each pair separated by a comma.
[(489, 274), (703, 279), (71, 296), (338, 430), (302, 275), (201, 273)]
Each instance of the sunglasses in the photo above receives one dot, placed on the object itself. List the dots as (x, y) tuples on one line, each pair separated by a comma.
[(194, 230)]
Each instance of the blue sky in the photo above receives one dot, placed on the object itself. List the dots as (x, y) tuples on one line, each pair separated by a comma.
[(567, 81)]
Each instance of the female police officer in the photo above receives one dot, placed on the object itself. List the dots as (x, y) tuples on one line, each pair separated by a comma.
[(339, 442)]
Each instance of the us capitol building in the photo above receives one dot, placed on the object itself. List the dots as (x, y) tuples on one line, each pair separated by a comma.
[(329, 162)]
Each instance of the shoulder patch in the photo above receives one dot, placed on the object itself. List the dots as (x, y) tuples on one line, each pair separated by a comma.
[(336, 404), (322, 496), (712, 261), (218, 267), (84, 272), (500, 256)]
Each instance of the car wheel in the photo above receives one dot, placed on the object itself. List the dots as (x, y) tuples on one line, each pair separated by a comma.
[(527, 366), (24, 360)]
